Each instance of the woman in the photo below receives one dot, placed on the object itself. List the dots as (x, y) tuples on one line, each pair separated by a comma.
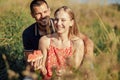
[(65, 44)]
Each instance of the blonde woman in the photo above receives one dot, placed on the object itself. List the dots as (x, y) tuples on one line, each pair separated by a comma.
[(63, 44)]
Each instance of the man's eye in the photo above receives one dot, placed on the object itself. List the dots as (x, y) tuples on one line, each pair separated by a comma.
[(36, 13), (63, 20), (45, 11)]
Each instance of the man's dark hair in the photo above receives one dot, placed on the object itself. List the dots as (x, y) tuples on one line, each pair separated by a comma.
[(37, 3)]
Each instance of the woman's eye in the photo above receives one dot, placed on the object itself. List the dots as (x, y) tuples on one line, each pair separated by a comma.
[(56, 19), (45, 11)]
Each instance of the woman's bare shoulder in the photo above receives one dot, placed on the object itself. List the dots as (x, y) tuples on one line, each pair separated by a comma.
[(77, 41), (44, 40)]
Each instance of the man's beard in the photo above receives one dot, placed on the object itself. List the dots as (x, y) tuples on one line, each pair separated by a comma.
[(44, 21)]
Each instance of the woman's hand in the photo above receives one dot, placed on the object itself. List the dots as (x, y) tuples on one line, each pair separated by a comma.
[(35, 59), (44, 70), (60, 72), (37, 63)]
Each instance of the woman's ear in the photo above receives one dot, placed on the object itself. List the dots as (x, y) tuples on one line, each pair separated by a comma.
[(72, 22)]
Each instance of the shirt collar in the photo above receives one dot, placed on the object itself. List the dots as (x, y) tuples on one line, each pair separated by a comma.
[(37, 30)]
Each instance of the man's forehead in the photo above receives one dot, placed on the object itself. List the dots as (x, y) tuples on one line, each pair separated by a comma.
[(41, 7)]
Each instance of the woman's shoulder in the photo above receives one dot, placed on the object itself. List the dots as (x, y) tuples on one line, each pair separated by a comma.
[(77, 41), (46, 38)]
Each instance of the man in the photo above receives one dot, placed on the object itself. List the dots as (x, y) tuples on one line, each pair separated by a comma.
[(43, 25), (40, 11)]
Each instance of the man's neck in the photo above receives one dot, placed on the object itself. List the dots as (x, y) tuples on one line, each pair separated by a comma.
[(43, 29), (42, 33)]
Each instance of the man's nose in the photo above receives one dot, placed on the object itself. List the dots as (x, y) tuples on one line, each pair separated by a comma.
[(42, 15)]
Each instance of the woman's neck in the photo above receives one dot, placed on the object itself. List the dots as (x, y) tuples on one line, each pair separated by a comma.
[(63, 37)]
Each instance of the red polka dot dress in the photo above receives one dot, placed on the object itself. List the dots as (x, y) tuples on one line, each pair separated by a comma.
[(56, 58)]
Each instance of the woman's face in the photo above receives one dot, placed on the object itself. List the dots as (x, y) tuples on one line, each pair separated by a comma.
[(62, 21)]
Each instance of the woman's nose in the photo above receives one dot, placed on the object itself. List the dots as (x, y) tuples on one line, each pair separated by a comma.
[(59, 22)]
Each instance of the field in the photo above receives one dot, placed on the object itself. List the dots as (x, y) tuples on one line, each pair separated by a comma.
[(100, 22)]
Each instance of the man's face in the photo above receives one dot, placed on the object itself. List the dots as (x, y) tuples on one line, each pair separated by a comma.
[(41, 14)]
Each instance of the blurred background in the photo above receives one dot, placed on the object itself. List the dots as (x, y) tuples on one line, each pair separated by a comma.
[(98, 19)]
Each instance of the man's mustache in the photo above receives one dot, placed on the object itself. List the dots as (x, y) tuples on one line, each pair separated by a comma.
[(45, 18)]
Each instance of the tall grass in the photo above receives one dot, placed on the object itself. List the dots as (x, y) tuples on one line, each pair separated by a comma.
[(107, 46), (15, 17)]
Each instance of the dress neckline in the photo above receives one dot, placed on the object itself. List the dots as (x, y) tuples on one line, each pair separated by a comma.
[(59, 48)]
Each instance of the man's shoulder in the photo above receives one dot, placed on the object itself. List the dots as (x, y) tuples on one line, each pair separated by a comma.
[(29, 29)]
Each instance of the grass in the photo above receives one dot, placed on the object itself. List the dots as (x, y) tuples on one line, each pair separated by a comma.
[(100, 23)]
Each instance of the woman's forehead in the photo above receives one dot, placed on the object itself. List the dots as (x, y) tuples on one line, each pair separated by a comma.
[(62, 14)]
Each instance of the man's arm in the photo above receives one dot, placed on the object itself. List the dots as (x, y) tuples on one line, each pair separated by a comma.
[(26, 44), (87, 65), (78, 52), (89, 46), (27, 47)]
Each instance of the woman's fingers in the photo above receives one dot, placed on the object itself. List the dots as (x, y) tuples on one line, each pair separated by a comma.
[(44, 71), (37, 63), (60, 72)]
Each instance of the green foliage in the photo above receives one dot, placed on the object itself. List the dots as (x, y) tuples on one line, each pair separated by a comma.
[(12, 24), (106, 43)]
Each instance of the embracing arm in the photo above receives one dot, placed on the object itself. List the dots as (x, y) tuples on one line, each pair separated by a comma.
[(87, 65), (89, 46), (27, 44)]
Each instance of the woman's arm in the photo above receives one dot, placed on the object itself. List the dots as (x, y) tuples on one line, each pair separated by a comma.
[(43, 46)]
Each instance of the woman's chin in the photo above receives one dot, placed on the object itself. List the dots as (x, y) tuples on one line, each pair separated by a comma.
[(59, 32)]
